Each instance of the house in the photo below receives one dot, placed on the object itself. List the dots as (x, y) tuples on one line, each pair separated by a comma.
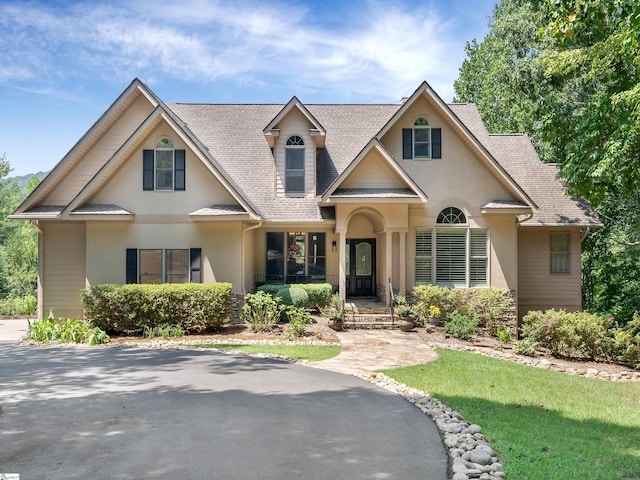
[(361, 196)]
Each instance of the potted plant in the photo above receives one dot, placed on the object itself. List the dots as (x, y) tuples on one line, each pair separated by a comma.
[(404, 311), (434, 316), (334, 314)]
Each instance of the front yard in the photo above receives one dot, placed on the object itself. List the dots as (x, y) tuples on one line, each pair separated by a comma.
[(543, 424)]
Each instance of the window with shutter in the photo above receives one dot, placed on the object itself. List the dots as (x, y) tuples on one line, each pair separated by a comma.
[(163, 168), (479, 260), (451, 258), (163, 265), (424, 257), (421, 141)]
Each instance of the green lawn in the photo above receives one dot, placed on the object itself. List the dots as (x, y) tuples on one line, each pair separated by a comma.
[(543, 424), (312, 353)]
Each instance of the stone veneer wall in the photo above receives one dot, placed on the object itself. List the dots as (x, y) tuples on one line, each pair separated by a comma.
[(234, 314)]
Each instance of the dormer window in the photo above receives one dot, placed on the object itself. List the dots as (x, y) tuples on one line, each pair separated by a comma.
[(163, 168), (294, 165), (421, 142)]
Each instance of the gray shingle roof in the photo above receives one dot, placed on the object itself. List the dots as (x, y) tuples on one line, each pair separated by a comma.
[(375, 192), (220, 210), (233, 135), (100, 209)]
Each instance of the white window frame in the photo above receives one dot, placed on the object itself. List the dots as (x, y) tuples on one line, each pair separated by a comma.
[(557, 253), (294, 145), (421, 124), (164, 145)]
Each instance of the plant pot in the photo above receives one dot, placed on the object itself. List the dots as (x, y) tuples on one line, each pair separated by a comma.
[(435, 321), (406, 325), (335, 324)]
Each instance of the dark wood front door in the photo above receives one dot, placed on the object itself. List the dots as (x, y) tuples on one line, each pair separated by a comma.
[(361, 267)]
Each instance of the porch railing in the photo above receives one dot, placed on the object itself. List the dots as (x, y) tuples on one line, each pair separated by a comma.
[(392, 302), (289, 279)]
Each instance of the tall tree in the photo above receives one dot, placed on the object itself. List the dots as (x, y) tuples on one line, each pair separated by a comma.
[(566, 73)]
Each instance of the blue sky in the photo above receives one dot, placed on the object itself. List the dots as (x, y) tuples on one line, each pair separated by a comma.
[(62, 63)]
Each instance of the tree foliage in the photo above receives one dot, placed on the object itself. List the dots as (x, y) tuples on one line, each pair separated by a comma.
[(566, 73), (18, 240)]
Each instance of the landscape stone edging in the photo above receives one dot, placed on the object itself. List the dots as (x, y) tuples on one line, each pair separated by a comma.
[(547, 364), (470, 454)]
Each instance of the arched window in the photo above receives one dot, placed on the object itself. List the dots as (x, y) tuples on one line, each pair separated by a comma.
[(451, 215), (421, 141), (452, 254), (294, 165)]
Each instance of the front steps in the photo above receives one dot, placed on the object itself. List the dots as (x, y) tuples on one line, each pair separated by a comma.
[(367, 314)]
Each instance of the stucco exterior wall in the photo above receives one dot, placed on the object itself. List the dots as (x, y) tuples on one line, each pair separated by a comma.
[(220, 243), (63, 268), (202, 189), (538, 288)]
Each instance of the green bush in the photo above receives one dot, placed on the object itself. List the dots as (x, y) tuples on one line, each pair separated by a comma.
[(299, 319), (626, 343), (293, 296), (18, 306), (65, 330), (461, 326), (527, 346), (574, 335), (261, 311), (319, 293), (488, 305), (195, 307)]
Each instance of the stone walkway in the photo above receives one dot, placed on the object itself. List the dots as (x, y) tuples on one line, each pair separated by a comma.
[(369, 350)]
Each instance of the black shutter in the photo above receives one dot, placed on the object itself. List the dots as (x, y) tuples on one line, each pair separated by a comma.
[(194, 259), (407, 143), (436, 143), (147, 169), (179, 169), (132, 265)]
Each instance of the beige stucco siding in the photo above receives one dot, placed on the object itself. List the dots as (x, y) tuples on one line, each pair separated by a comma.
[(373, 172), (459, 174), (220, 243), (64, 268), (202, 189), (295, 123), (101, 152), (538, 288)]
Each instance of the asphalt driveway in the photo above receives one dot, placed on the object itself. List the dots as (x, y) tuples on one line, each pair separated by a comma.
[(119, 413)]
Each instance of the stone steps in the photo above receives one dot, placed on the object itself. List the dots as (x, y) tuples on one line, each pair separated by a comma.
[(368, 321)]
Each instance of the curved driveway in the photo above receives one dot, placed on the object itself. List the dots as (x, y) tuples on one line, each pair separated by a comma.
[(120, 413)]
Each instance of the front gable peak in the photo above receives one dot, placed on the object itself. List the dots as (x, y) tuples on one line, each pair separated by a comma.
[(317, 131)]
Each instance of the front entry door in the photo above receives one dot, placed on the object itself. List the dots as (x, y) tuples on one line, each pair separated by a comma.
[(361, 267)]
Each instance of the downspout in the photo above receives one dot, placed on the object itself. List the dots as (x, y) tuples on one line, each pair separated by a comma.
[(40, 311), (585, 234), (244, 230)]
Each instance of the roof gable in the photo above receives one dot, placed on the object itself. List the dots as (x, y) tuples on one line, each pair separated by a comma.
[(391, 182), (424, 91), (317, 131)]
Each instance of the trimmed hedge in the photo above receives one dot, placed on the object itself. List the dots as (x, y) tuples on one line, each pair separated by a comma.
[(319, 293), (195, 307), (293, 297)]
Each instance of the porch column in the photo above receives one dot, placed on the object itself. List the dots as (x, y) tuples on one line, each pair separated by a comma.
[(403, 263), (342, 258), (389, 262)]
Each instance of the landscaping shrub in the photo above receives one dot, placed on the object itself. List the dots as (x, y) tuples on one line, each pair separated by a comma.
[(299, 319), (488, 305), (319, 293), (461, 326), (17, 306), (293, 296), (527, 346), (575, 335), (130, 308), (65, 330), (626, 343), (261, 311)]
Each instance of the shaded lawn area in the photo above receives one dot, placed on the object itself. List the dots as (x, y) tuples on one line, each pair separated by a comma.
[(312, 353), (543, 424)]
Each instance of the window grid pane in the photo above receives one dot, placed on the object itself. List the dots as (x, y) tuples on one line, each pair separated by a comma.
[(164, 169), (478, 264), (151, 266), (423, 257), (177, 265), (560, 255)]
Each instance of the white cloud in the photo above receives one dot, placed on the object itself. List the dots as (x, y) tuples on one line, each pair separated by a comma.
[(382, 53)]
